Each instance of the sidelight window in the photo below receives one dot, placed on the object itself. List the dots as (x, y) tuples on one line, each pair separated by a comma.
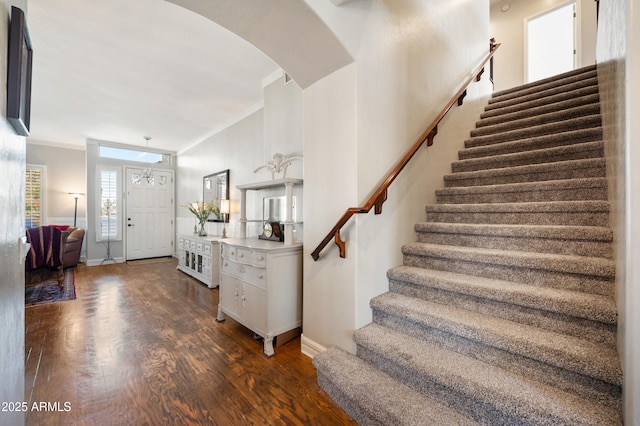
[(109, 209)]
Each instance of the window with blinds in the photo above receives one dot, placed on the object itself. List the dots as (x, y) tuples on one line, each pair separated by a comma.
[(109, 209), (34, 196)]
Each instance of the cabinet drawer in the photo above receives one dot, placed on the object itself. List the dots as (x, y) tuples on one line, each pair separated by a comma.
[(228, 252), (247, 273), (199, 246), (180, 242), (207, 249), (250, 256), (193, 245)]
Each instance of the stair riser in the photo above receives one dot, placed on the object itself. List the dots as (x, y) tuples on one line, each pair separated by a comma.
[(566, 380), (536, 120), (540, 277), (516, 243), (447, 395), (591, 121), (579, 327), (500, 177), (539, 110), (521, 97), (540, 156), (571, 194), (497, 110)]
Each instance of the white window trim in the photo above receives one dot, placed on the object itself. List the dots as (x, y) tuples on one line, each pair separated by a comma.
[(118, 198), (43, 191)]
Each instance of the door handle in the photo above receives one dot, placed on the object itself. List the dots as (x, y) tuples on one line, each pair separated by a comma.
[(128, 224)]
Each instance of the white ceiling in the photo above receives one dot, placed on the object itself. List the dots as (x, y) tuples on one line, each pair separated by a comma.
[(119, 70)]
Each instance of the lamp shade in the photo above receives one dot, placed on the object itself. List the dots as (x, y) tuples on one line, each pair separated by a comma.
[(224, 206)]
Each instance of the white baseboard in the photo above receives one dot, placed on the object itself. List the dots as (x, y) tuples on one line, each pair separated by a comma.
[(309, 347), (98, 262)]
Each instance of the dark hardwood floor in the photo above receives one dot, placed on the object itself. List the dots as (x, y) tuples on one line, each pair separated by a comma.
[(140, 346)]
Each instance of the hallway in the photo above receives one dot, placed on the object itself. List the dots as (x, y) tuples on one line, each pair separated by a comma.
[(140, 345)]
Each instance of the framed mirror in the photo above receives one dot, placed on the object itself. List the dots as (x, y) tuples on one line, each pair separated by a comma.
[(215, 187)]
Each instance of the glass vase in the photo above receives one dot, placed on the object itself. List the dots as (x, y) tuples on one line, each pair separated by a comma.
[(202, 231)]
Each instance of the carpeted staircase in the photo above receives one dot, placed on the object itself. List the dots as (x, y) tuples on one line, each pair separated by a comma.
[(503, 309)]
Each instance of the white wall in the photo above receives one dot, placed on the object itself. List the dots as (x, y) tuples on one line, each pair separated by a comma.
[(241, 148), (632, 302), (359, 122), (619, 69), (12, 169), (66, 172), (508, 28)]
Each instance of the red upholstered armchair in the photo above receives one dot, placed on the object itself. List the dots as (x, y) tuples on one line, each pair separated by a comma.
[(44, 258)]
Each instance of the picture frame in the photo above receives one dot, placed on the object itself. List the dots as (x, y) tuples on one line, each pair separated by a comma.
[(19, 67)]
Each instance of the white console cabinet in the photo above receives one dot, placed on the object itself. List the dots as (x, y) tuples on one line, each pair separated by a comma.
[(200, 258), (261, 287)]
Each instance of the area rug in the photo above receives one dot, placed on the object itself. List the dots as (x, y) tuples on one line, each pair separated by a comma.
[(50, 292)]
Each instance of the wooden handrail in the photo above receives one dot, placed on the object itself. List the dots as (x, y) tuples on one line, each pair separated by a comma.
[(380, 195)]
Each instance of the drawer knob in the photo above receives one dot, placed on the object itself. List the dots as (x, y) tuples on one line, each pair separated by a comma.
[(260, 276), (260, 258), (241, 254)]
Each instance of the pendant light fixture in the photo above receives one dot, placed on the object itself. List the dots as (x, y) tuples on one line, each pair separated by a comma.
[(147, 172)]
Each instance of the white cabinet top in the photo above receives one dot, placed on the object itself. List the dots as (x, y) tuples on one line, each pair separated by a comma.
[(270, 183), (258, 244)]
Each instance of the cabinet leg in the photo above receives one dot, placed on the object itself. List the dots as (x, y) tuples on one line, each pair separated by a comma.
[(220, 316), (268, 346)]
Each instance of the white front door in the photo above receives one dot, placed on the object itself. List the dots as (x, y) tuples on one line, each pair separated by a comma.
[(149, 219)]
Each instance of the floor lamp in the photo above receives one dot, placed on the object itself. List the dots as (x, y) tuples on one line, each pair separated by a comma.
[(75, 195)]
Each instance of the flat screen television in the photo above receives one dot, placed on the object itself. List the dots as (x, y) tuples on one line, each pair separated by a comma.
[(19, 63)]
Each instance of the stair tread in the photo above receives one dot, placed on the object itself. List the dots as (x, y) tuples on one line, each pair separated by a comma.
[(491, 119), (546, 207), (575, 354), (584, 137), (373, 388), (572, 303), (497, 110), (578, 72), (584, 122), (541, 92), (527, 169), (531, 401), (537, 119), (572, 264), (548, 185), (563, 232)]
